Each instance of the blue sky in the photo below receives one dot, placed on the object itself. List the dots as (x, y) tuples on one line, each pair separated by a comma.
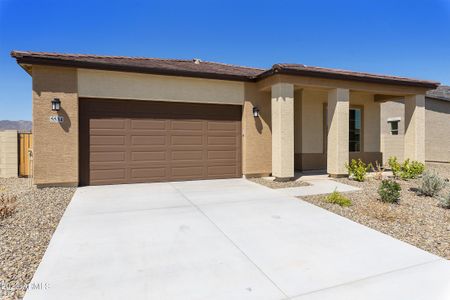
[(406, 38)]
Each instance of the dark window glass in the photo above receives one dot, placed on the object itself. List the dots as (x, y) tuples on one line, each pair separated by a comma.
[(394, 127), (355, 130)]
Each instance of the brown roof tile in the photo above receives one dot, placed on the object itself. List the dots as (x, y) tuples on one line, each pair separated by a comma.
[(203, 69)]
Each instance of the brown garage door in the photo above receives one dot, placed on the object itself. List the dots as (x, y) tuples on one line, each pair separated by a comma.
[(147, 141)]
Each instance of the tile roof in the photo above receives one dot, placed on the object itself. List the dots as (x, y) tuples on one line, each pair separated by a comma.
[(203, 69), (442, 92)]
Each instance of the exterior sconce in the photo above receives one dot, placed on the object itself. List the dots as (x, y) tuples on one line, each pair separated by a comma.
[(56, 104), (255, 112)]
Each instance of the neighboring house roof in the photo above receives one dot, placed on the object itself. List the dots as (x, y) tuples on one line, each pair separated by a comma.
[(197, 68), (442, 93)]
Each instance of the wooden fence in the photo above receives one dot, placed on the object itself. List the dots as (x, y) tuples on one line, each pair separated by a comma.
[(25, 155)]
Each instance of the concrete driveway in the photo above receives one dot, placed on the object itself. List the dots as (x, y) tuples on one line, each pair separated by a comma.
[(224, 239)]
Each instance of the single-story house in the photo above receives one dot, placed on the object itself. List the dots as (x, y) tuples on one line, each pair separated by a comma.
[(437, 126), (109, 119)]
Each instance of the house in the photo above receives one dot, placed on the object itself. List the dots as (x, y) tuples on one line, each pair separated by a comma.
[(109, 120), (437, 126)]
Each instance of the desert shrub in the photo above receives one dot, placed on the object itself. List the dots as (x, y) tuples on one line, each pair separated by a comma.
[(337, 198), (7, 205), (394, 165), (389, 191), (407, 170), (431, 184), (378, 169), (445, 201), (357, 169)]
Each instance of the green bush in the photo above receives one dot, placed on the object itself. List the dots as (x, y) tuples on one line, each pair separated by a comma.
[(389, 191), (357, 169), (445, 201), (431, 185), (337, 198), (394, 165), (407, 170)]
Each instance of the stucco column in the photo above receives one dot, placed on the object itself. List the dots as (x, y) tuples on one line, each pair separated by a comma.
[(338, 131), (283, 130), (415, 127)]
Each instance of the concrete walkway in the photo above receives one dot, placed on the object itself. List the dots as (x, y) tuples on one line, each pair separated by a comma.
[(224, 239), (317, 187)]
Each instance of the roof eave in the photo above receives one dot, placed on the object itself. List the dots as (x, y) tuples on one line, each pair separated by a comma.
[(279, 70), (22, 59)]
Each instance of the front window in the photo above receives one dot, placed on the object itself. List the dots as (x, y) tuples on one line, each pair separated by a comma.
[(355, 130), (394, 127)]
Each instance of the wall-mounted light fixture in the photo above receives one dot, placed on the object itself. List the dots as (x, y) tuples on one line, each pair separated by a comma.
[(255, 112), (56, 104)]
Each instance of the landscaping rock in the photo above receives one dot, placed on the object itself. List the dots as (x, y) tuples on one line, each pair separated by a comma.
[(25, 235)]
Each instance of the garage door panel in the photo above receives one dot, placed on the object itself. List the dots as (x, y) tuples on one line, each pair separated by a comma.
[(108, 156), (194, 140), (156, 140), (222, 154), (107, 140), (183, 155), (106, 174), (148, 173), (149, 156), (185, 125), (146, 124), (222, 140), (108, 124), (145, 141), (222, 126)]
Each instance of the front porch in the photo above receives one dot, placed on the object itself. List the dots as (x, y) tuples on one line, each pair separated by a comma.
[(321, 124)]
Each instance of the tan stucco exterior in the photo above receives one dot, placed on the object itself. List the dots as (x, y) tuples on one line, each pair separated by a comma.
[(415, 128), (291, 126), (257, 133), (437, 127), (437, 130), (137, 86), (283, 130), (338, 127), (8, 154), (55, 146)]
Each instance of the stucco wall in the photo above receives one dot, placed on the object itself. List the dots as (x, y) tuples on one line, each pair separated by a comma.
[(8, 154), (392, 145), (371, 116), (55, 147), (125, 85), (257, 135), (437, 130), (312, 120)]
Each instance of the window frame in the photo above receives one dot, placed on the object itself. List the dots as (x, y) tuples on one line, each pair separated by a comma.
[(361, 129), (391, 129), (325, 128)]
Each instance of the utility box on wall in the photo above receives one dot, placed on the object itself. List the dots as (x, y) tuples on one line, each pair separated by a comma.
[(8, 154)]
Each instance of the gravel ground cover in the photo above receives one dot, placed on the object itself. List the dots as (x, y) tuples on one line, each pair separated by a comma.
[(417, 220), (278, 184), (25, 235)]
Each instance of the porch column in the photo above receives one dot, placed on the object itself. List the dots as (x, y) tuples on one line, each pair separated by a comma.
[(415, 127), (283, 130), (338, 131)]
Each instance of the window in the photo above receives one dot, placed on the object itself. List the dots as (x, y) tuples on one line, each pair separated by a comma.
[(394, 127), (355, 130)]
